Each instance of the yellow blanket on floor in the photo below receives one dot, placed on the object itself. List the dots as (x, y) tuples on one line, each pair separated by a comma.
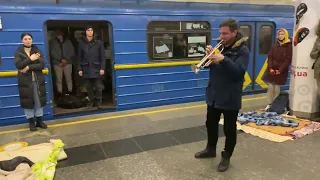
[(35, 153), (282, 131), (45, 157), (261, 133)]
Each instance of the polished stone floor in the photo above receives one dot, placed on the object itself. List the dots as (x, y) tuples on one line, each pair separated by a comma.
[(159, 143)]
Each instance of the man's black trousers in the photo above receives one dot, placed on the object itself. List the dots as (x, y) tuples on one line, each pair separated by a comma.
[(94, 88), (230, 127)]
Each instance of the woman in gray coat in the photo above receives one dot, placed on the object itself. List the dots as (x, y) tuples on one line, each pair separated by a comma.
[(29, 60)]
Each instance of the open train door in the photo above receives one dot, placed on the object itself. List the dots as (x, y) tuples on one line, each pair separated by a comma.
[(75, 31)]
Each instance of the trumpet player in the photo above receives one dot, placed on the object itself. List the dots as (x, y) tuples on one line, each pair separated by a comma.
[(224, 91)]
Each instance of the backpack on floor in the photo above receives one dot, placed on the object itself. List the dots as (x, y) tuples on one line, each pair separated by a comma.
[(280, 104), (70, 102)]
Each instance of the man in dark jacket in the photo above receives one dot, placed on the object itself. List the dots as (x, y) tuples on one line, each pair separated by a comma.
[(62, 53), (92, 62), (224, 91)]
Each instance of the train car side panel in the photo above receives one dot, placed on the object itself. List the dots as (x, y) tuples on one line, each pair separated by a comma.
[(135, 87)]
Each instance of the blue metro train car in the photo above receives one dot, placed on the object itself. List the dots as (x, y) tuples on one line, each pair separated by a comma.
[(149, 49)]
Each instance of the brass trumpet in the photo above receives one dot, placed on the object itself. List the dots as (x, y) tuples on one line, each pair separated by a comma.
[(205, 61)]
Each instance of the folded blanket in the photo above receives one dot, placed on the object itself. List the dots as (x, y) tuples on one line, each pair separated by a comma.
[(22, 172), (45, 157), (309, 129), (35, 153)]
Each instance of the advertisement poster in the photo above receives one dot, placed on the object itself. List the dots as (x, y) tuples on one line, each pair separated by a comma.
[(196, 46), (162, 47), (304, 96)]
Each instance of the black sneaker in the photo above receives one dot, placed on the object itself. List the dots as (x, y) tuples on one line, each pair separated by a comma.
[(224, 163), (208, 152)]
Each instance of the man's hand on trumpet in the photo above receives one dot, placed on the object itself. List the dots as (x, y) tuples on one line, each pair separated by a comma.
[(214, 58), (209, 49)]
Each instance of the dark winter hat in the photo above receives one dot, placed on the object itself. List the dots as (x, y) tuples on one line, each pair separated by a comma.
[(26, 34), (88, 27)]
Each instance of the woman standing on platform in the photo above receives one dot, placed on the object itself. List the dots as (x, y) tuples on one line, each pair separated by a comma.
[(28, 59), (315, 54), (279, 59)]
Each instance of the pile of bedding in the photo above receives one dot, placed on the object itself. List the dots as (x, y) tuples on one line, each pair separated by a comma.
[(266, 118), (36, 162)]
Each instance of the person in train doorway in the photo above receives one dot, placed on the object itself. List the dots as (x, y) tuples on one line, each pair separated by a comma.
[(29, 60), (315, 54), (279, 59), (224, 91), (62, 53), (92, 62)]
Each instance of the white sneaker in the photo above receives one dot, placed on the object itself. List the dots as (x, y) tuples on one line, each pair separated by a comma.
[(268, 106)]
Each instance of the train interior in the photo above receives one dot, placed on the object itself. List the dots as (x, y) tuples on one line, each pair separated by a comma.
[(74, 31)]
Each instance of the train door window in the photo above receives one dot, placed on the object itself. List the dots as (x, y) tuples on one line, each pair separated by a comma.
[(177, 40), (246, 30), (266, 39), (73, 31)]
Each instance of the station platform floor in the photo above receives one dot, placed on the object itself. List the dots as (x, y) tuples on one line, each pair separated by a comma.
[(159, 144)]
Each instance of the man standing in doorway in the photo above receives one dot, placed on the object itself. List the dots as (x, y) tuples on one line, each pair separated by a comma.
[(62, 53), (92, 62), (224, 91)]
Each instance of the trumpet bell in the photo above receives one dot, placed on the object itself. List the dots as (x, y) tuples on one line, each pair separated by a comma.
[(195, 68)]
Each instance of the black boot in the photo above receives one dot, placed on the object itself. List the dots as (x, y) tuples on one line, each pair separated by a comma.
[(32, 125), (41, 124), (208, 152), (225, 161)]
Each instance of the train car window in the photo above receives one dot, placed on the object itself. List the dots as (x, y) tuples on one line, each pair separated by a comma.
[(246, 30), (266, 37), (177, 40)]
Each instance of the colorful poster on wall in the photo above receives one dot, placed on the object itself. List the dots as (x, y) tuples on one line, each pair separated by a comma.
[(303, 88)]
